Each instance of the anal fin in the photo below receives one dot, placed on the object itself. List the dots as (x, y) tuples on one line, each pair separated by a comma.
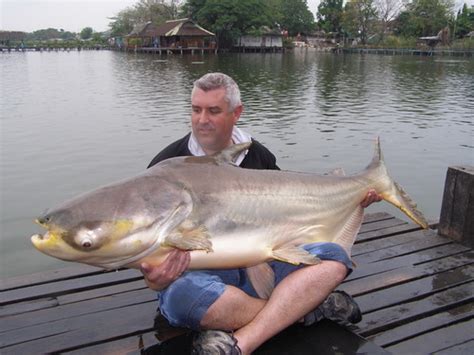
[(189, 237), (262, 278), (348, 234), (294, 255)]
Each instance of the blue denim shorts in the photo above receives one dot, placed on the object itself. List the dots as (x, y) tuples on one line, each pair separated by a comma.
[(186, 300)]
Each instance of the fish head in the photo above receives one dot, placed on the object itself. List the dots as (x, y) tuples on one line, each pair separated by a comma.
[(110, 227), (103, 243)]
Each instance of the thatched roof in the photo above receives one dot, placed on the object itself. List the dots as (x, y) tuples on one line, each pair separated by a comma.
[(182, 27)]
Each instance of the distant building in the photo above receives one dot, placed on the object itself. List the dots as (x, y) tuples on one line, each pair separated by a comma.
[(267, 40), (182, 33)]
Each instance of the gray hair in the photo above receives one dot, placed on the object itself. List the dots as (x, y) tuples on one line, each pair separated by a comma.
[(214, 81)]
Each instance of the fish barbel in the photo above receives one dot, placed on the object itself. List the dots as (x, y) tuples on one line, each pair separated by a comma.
[(227, 216)]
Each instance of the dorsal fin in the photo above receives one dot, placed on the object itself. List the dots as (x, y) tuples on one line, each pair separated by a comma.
[(229, 155), (378, 157)]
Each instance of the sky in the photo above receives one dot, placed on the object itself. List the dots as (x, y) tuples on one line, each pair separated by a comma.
[(74, 15)]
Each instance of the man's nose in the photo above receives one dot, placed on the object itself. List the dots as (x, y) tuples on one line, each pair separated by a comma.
[(204, 116)]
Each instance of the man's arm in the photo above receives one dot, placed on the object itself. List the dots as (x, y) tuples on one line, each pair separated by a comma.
[(371, 197), (159, 277)]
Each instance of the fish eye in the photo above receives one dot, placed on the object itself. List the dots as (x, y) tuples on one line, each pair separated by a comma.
[(86, 243)]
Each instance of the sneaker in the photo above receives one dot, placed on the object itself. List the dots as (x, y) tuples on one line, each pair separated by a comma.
[(339, 307), (215, 342)]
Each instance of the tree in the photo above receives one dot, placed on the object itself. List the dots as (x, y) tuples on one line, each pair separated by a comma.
[(424, 17), (330, 15), (191, 8), (296, 17), (387, 11), (86, 32), (464, 21), (229, 19), (359, 17), (156, 11)]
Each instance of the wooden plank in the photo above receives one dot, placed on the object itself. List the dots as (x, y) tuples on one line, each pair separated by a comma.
[(364, 270), (415, 289), (427, 242), (382, 243), (405, 274), (66, 286), (82, 296), (77, 270), (376, 216), (22, 326), (26, 307), (135, 344), (378, 321), (322, 339), (437, 340), (377, 226), (398, 228), (406, 331), (84, 330), (459, 349)]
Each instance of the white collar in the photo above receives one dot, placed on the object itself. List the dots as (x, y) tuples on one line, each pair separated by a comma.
[(238, 136)]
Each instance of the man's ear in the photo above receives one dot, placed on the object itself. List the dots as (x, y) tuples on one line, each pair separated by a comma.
[(237, 112)]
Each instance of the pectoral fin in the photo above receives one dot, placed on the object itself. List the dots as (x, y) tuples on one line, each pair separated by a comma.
[(189, 237), (262, 278), (294, 255)]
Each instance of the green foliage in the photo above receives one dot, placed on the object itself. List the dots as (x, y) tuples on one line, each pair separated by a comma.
[(464, 21), (424, 18), (122, 24), (191, 8), (296, 17), (397, 42), (86, 32), (230, 19), (50, 33), (330, 15), (359, 19), (466, 43), (156, 11)]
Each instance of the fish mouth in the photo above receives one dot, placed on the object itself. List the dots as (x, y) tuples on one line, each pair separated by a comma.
[(39, 239)]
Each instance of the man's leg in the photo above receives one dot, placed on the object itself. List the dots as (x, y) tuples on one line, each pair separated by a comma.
[(232, 310), (299, 293)]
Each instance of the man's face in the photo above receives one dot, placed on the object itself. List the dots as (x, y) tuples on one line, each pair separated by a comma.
[(211, 120)]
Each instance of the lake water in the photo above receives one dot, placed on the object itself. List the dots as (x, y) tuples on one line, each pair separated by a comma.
[(71, 121)]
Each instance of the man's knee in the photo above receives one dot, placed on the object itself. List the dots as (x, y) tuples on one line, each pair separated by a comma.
[(337, 269), (332, 252), (186, 300)]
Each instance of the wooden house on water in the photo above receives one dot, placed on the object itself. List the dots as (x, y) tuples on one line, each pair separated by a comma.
[(173, 35), (268, 40)]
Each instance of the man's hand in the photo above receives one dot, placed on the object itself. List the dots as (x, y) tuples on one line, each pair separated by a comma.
[(161, 276), (372, 196)]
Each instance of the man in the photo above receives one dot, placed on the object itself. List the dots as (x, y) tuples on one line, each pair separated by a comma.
[(225, 299)]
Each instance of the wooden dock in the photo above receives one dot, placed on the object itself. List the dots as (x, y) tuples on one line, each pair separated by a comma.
[(173, 50), (415, 289), (427, 52)]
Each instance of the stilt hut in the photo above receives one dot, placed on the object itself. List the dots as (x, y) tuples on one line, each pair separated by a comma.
[(182, 33)]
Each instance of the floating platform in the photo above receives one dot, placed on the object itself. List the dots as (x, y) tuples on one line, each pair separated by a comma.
[(414, 287)]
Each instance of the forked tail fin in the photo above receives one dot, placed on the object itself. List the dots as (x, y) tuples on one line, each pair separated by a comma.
[(399, 198), (393, 192)]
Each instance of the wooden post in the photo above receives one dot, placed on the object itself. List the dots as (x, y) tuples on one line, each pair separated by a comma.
[(457, 211)]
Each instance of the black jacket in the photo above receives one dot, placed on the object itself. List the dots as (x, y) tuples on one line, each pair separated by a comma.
[(258, 157)]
